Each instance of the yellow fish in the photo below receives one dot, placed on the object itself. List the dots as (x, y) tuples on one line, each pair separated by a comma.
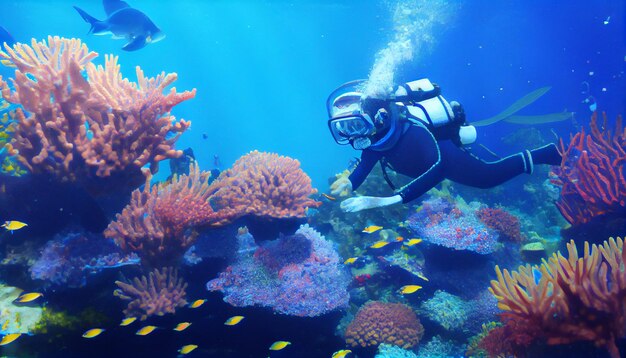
[(350, 261), (408, 289), (28, 297), (197, 303), (278, 345), (379, 244), (371, 229), (182, 326), (5, 325), (9, 338), (342, 353), (399, 239), (413, 242), (94, 332), (187, 349), (12, 225), (127, 321), (233, 320), (144, 331)]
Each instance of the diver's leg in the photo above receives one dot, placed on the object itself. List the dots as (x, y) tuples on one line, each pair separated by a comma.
[(462, 167)]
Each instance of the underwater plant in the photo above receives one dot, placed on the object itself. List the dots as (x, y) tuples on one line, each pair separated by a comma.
[(591, 175), (80, 122), (563, 300), (160, 293)]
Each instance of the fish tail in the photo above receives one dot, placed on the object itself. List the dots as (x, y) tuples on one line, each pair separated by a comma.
[(96, 25)]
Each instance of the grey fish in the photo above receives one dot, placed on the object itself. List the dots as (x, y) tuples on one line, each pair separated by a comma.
[(124, 22)]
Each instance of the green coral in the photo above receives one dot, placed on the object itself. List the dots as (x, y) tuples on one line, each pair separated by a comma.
[(55, 321), (8, 164), (448, 310)]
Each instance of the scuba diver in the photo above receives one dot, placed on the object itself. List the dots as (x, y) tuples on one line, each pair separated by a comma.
[(415, 132)]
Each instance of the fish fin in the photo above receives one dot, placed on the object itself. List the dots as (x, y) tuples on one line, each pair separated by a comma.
[(97, 26), (136, 43), (111, 6)]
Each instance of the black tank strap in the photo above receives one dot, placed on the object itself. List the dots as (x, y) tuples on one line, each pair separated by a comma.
[(383, 166)]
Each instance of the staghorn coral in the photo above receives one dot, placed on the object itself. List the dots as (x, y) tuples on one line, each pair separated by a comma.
[(266, 185), (81, 122), (565, 299), (380, 322), (591, 175), (160, 221), (160, 293)]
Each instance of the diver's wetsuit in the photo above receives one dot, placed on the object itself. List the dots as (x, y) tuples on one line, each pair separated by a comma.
[(419, 155)]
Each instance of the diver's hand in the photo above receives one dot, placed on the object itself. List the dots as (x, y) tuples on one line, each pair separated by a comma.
[(359, 203), (341, 187)]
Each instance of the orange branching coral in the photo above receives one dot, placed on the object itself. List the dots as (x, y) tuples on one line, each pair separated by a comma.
[(267, 184), (382, 322), (79, 128), (160, 293), (568, 299)]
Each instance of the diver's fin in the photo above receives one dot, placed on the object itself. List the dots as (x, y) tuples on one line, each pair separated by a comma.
[(136, 43), (97, 26), (111, 6)]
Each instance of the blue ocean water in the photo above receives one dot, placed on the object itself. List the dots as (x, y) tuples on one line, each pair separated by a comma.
[(263, 71)]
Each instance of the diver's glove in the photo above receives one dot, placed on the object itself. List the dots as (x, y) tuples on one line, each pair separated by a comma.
[(459, 112), (341, 187), (359, 203)]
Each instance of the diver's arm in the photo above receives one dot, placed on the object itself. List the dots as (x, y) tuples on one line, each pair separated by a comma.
[(424, 182), (359, 203), (369, 158)]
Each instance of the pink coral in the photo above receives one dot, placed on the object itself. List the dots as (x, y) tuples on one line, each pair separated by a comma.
[(160, 293), (84, 130), (381, 322), (267, 185)]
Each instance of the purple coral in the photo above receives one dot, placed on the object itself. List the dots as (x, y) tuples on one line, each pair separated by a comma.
[(303, 286), (442, 223), (160, 293), (68, 258)]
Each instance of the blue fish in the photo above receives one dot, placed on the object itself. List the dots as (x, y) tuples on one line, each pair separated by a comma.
[(124, 22)]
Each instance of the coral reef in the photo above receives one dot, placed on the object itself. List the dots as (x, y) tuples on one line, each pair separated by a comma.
[(13, 318), (591, 175), (438, 347), (507, 225), (564, 300), (279, 275), (67, 259), (447, 310), (160, 293), (442, 222), (160, 222), (391, 351), (379, 322), (266, 185), (8, 164), (80, 122)]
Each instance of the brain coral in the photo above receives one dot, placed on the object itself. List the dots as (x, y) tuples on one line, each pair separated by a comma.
[(381, 322)]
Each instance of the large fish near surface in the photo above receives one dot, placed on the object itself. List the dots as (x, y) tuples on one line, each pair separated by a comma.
[(124, 22)]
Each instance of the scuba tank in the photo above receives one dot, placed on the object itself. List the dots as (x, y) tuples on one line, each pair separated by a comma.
[(421, 102)]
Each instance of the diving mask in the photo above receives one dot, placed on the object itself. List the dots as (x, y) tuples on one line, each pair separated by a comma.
[(348, 122)]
